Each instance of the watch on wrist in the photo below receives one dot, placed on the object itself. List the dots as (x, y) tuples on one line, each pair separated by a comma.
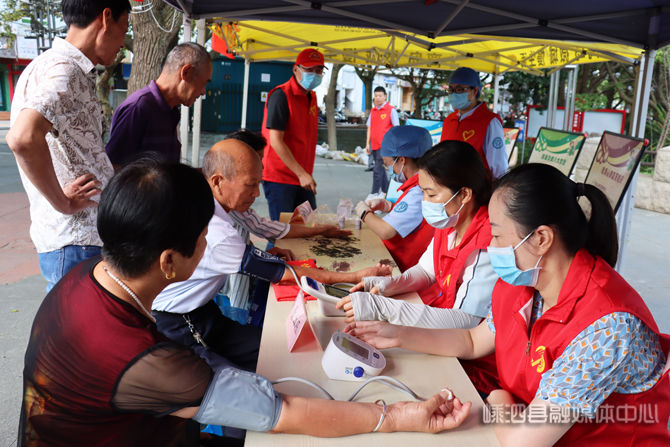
[(363, 214)]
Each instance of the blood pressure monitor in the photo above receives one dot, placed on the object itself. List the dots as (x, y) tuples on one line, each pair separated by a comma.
[(327, 295), (349, 358)]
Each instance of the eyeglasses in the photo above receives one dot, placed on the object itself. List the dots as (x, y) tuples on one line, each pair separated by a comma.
[(451, 90), (318, 69)]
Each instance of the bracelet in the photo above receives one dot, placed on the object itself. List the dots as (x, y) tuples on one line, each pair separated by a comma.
[(363, 214), (381, 418)]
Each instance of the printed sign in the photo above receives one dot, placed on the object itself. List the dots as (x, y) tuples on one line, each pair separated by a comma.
[(511, 134), (433, 127), (614, 164), (557, 148), (299, 333)]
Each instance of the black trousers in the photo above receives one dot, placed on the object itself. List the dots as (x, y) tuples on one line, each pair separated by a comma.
[(228, 342)]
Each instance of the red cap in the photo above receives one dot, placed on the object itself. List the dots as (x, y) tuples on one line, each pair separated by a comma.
[(310, 57)]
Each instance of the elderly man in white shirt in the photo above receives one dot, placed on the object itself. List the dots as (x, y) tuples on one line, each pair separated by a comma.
[(56, 134), (185, 311), (249, 294)]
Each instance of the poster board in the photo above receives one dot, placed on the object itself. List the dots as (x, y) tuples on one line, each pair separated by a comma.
[(433, 127), (511, 135), (614, 164), (557, 148)]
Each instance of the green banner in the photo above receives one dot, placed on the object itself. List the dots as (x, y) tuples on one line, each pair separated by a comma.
[(557, 148)]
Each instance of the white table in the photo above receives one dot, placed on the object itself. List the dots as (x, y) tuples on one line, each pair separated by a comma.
[(425, 374)]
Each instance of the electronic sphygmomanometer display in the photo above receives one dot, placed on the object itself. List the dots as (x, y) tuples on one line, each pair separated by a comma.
[(355, 348), (322, 291), (349, 358), (335, 291)]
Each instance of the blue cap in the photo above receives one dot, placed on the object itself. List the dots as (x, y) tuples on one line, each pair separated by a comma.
[(406, 141), (466, 76)]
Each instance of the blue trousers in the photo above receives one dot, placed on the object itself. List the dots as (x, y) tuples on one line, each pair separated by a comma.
[(380, 182), (283, 198), (55, 264)]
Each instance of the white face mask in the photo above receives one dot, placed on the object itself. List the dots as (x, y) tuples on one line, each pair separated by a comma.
[(436, 214), (503, 261)]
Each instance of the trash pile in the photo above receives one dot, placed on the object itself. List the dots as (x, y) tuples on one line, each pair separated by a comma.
[(358, 156)]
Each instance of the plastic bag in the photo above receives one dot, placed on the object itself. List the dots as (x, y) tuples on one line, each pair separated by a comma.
[(323, 215)]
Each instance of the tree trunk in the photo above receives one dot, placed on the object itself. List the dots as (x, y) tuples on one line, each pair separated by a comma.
[(367, 75), (151, 44), (330, 106), (103, 87)]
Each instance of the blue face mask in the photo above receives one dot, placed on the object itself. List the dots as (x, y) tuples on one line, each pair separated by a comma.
[(437, 216), (503, 262), (310, 81), (400, 177), (459, 100)]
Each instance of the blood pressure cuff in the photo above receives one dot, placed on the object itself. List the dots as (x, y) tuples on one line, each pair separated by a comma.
[(262, 264), (241, 399)]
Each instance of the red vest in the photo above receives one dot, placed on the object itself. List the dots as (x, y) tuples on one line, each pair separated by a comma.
[(449, 265), (592, 289), (300, 134), (407, 250), (471, 129), (380, 123)]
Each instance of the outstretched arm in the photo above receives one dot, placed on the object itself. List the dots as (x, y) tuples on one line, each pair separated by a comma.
[(330, 277), (462, 343)]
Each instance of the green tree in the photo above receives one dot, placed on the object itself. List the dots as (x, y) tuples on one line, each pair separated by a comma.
[(9, 13), (426, 85), (524, 89)]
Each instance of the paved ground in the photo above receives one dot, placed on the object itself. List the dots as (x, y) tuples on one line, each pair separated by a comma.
[(22, 288)]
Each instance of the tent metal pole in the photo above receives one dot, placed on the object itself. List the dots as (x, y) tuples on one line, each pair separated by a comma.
[(569, 102), (245, 94), (570, 99), (533, 22), (401, 54), (488, 29), (197, 109), (353, 15), (451, 17), (553, 94), (183, 122), (496, 92), (645, 72)]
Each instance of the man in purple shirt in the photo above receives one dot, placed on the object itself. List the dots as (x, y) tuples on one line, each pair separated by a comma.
[(147, 120)]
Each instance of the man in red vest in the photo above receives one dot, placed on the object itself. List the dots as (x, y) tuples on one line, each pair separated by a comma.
[(290, 125), (382, 117), (472, 121)]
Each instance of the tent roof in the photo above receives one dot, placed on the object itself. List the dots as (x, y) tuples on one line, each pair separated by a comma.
[(260, 40), (640, 23)]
